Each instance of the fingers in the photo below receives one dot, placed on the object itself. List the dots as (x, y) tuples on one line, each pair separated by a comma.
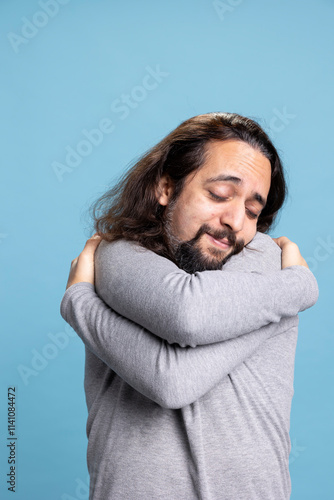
[(94, 239), (95, 236), (92, 243), (281, 241), (290, 252), (89, 248)]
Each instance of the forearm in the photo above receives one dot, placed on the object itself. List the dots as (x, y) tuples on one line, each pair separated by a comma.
[(202, 308), (170, 375)]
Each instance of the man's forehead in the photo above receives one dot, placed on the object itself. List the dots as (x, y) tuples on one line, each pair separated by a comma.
[(233, 152), (232, 169), (232, 162)]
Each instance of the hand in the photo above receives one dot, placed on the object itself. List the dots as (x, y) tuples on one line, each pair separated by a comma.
[(82, 268), (291, 255)]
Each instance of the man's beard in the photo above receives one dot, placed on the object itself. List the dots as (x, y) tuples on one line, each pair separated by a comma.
[(189, 256)]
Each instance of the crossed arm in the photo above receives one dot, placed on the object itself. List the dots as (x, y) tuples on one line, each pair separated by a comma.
[(170, 375), (201, 308)]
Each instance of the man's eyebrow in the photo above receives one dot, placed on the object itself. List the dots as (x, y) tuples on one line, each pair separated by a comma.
[(222, 177), (236, 180)]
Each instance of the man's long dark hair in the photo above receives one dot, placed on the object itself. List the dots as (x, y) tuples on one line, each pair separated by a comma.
[(130, 209)]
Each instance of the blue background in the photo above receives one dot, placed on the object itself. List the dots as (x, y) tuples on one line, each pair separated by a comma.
[(63, 70)]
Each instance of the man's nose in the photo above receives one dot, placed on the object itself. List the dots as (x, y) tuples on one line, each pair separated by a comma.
[(234, 216)]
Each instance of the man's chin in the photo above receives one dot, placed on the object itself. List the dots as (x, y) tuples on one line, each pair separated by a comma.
[(218, 262), (219, 254), (193, 259), (202, 253)]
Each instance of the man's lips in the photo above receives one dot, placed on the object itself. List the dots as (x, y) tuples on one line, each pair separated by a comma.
[(222, 243)]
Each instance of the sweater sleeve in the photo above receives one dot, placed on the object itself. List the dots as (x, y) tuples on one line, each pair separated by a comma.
[(205, 307), (170, 375)]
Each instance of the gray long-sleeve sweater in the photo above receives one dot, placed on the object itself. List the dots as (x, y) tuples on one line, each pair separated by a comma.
[(183, 423)]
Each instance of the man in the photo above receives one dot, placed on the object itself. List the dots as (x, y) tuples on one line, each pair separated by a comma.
[(189, 368)]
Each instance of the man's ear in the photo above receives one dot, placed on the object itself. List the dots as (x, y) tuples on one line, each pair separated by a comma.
[(164, 190)]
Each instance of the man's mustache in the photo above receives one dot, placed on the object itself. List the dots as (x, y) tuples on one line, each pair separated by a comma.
[(218, 235)]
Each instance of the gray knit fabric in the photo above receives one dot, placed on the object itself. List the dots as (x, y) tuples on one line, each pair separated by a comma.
[(189, 378)]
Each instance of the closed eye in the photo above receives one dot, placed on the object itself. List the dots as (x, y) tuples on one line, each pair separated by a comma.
[(216, 197), (251, 214)]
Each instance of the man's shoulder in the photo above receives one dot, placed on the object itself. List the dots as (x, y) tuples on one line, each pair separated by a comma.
[(112, 253), (130, 253), (263, 241), (115, 247), (262, 255)]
